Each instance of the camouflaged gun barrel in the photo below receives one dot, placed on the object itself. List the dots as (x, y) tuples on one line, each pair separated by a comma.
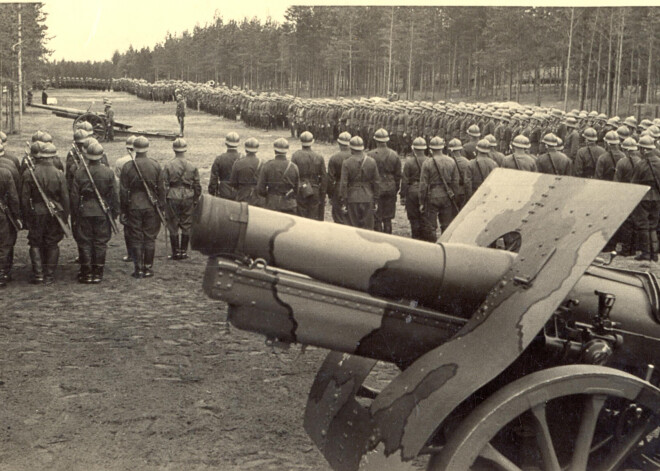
[(451, 278)]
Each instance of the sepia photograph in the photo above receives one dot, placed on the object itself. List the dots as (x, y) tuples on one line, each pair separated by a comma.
[(329, 236)]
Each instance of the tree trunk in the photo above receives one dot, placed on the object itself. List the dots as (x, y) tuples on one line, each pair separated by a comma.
[(409, 94), (620, 58), (650, 63), (597, 87), (568, 60), (591, 48), (609, 67)]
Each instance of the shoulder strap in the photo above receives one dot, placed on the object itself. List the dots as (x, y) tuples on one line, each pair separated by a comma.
[(476, 161), (460, 174), (552, 162)]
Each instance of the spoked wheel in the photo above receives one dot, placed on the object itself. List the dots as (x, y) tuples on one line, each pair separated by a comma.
[(573, 418), (97, 122)]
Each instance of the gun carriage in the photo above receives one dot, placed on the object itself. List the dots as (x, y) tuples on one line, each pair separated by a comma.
[(99, 123), (539, 359)]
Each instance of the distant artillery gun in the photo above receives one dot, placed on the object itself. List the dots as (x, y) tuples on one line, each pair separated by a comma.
[(99, 123)]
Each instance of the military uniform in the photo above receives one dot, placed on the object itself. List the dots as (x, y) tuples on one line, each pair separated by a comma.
[(464, 190), (278, 183), (244, 177), (389, 170), (606, 164), (647, 172), (140, 218), (313, 183), (586, 159), (627, 232), (412, 171), (359, 189), (93, 230), (44, 231), (480, 168), (180, 113), (221, 173), (438, 186), (180, 181), (110, 123), (554, 162), (520, 162), (9, 209), (339, 214)]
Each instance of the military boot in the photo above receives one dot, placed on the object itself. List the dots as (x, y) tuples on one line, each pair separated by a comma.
[(51, 256), (174, 244), (97, 268), (183, 252), (645, 246), (387, 226), (149, 254), (137, 253), (378, 225), (85, 273), (37, 266), (4, 272)]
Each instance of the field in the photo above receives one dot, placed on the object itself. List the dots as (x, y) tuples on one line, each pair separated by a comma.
[(145, 374)]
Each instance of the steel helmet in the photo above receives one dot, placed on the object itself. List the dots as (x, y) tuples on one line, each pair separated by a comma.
[(491, 140), (95, 151), (344, 138), (455, 144), (654, 131), (419, 143), (47, 150), (2, 150), (437, 143), (590, 134), (35, 148), (381, 135), (252, 144), (631, 122), (612, 138), (3, 137), (280, 145), (646, 123), (129, 142), (645, 142), (306, 139), (571, 122), (550, 140), (474, 131), (483, 146), (140, 144), (521, 141), (623, 132), (630, 144), (180, 145), (356, 143), (79, 136), (232, 139)]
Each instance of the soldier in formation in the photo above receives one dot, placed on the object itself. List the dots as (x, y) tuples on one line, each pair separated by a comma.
[(279, 180), (313, 179), (245, 175), (221, 169), (389, 170), (359, 185)]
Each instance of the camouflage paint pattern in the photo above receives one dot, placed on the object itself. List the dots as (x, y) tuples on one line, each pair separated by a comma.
[(563, 223)]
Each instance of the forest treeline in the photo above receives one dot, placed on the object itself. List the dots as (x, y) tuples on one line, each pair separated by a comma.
[(431, 52)]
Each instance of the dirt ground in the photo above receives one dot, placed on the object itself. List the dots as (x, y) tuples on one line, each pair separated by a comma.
[(145, 374)]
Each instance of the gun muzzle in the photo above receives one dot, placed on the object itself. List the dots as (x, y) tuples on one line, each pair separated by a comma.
[(452, 278)]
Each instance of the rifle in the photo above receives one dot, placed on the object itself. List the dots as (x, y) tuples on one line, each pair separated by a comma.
[(50, 206), (152, 199), (448, 190), (5, 209), (99, 198)]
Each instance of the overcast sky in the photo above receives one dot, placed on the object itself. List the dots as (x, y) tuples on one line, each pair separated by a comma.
[(94, 29)]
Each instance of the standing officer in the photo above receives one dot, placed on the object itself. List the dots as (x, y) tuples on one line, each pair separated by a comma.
[(245, 174), (44, 231), (438, 186), (313, 179), (410, 196), (9, 218), (182, 189), (455, 148), (139, 215), (358, 185), (72, 164), (647, 172), (221, 169), (339, 213), (572, 140), (482, 165), (553, 162), (180, 112), (279, 180), (520, 159), (109, 121), (119, 164), (389, 170), (93, 230), (587, 156)]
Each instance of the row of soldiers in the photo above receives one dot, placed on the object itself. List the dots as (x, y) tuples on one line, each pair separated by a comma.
[(41, 195)]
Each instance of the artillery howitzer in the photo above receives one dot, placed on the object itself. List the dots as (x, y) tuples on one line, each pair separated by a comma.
[(99, 123), (537, 360)]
